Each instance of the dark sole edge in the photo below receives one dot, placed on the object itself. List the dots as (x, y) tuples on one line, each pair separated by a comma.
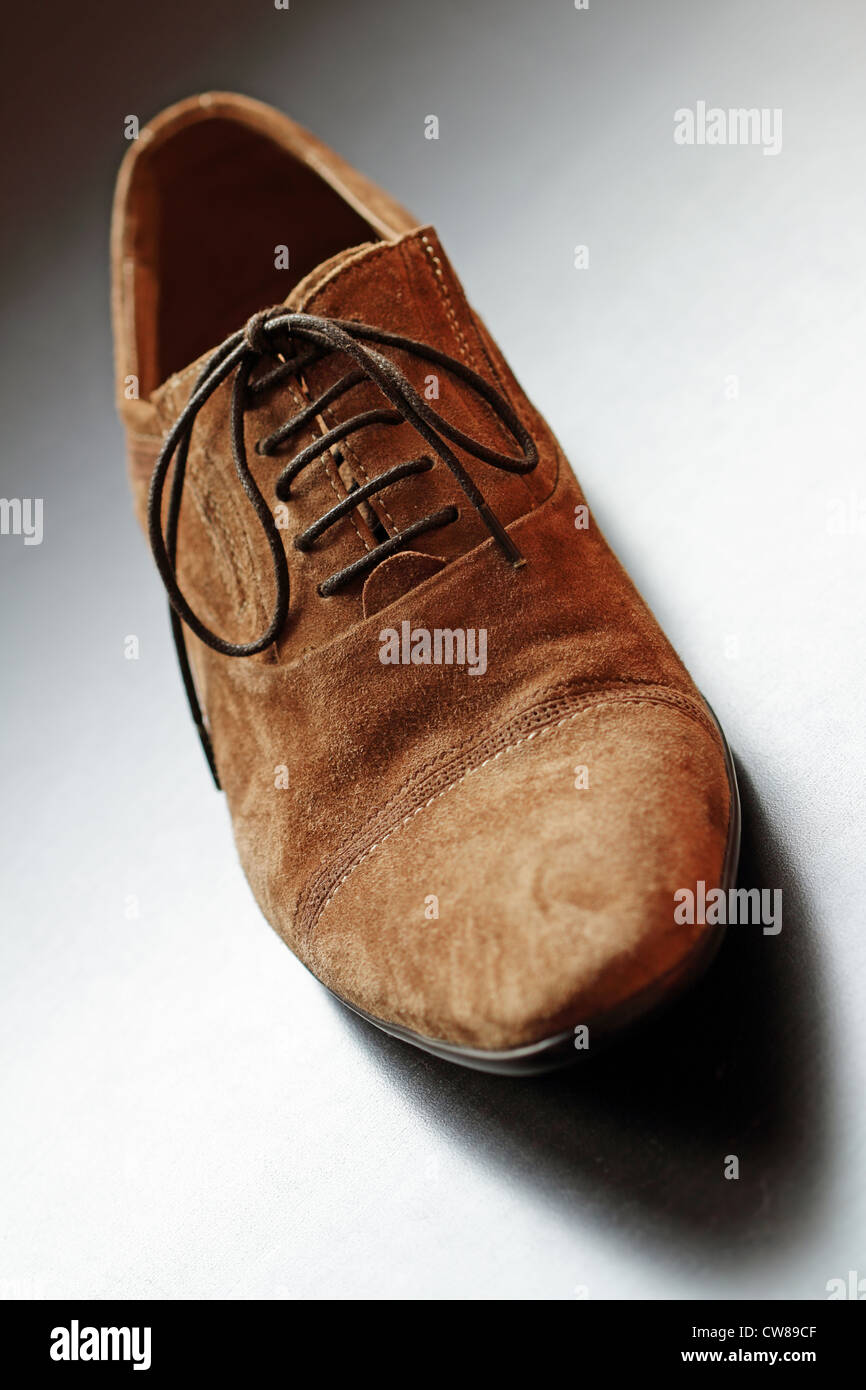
[(557, 1051)]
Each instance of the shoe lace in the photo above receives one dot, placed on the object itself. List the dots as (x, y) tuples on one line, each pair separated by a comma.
[(294, 341)]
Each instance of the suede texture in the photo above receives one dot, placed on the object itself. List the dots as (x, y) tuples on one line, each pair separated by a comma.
[(361, 791)]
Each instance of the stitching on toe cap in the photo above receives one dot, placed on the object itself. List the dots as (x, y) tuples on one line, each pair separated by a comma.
[(315, 903)]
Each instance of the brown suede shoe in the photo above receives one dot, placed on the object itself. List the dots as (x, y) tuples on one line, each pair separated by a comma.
[(466, 770)]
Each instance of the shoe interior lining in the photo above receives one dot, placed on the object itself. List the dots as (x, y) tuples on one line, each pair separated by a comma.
[(209, 205)]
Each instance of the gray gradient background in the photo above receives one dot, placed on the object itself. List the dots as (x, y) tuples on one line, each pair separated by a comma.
[(184, 1111)]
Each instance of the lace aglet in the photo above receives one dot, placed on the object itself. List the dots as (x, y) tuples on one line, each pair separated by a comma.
[(502, 538), (207, 746)]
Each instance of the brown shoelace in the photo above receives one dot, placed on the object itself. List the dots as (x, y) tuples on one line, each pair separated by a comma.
[(294, 341)]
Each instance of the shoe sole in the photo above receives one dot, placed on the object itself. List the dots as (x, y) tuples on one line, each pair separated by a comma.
[(557, 1051)]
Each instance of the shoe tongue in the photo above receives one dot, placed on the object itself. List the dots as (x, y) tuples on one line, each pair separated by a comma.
[(395, 576), (407, 287), (305, 289)]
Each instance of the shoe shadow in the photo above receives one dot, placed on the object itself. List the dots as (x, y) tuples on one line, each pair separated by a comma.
[(738, 1067)]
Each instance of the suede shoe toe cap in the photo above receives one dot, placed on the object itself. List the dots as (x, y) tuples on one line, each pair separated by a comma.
[(537, 892)]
